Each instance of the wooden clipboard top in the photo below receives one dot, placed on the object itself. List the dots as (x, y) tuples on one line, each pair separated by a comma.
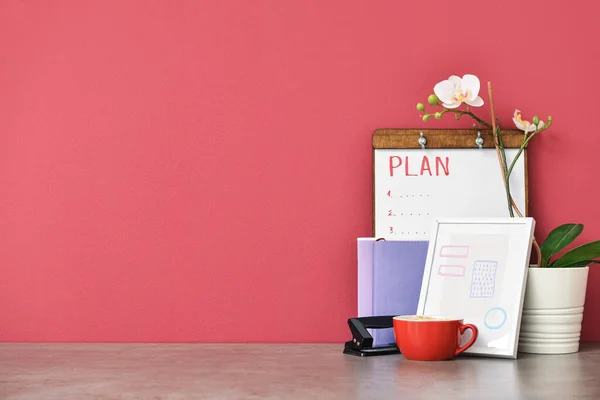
[(442, 138)]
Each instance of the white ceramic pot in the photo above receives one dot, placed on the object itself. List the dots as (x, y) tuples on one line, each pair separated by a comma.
[(553, 310)]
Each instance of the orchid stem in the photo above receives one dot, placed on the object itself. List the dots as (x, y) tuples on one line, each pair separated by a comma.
[(506, 171), (523, 145), (469, 113)]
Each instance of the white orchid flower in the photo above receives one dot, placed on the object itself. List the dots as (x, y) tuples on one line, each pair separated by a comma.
[(454, 91), (523, 125)]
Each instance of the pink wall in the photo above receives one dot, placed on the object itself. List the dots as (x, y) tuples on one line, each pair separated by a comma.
[(200, 170)]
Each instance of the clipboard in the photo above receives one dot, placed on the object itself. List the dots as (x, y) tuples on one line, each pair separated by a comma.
[(423, 174)]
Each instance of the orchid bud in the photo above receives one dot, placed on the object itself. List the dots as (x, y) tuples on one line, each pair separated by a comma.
[(438, 115), (426, 117), (433, 100), (536, 120), (420, 107), (550, 119)]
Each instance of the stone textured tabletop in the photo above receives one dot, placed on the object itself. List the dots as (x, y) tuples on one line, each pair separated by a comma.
[(282, 371)]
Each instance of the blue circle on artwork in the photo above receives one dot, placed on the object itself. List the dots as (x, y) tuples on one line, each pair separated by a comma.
[(493, 311)]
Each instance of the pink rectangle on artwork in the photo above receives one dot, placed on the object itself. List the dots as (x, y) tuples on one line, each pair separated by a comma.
[(451, 270), (454, 251)]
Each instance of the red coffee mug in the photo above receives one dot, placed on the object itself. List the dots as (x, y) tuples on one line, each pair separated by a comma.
[(429, 338)]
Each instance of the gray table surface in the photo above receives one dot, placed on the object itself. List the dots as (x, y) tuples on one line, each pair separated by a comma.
[(282, 371)]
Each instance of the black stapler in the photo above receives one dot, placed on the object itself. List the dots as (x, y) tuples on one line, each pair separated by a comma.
[(362, 341)]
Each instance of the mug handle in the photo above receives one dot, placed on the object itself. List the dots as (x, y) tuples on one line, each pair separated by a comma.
[(462, 328)]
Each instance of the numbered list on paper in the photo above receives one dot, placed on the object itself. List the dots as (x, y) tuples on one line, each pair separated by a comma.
[(413, 187)]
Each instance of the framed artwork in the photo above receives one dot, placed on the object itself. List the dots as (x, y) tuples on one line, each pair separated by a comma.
[(476, 269)]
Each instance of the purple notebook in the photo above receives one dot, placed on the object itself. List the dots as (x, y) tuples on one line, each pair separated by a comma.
[(396, 273)]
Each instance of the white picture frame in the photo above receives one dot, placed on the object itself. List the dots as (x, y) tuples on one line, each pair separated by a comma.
[(476, 270)]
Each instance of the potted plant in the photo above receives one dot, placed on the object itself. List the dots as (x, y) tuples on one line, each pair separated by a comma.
[(555, 294), (556, 286)]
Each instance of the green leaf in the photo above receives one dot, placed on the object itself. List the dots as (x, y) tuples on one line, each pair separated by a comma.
[(578, 264), (578, 254), (557, 240)]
